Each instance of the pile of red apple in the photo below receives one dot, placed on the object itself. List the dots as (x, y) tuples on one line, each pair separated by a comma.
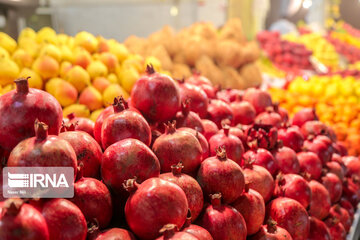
[(179, 161), (284, 54)]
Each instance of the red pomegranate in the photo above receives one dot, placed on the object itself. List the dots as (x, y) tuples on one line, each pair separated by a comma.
[(199, 232), (170, 232), (318, 230), (353, 165), (222, 221), (340, 148), (199, 100), (187, 118), (189, 185), (21, 221), (156, 95), (258, 98), (348, 206), (43, 151), (178, 146), (82, 124), (263, 158), (286, 160), (291, 137), (261, 136), (210, 128), (244, 112), (153, 204), (269, 117), (239, 131), (351, 191), (20, 108), (64, 220), (202, 140), (293, 186), (342, 214), (315, 128), (252, 207), (334, 186), (88, 151), (126, 159), (321, 149), (320, 200), (271, 232), (304, 115), (334, 167), (197, 79), (259, 179), (232, 144), (283, 113), (336, 229), (291, 215), (219, 110), (110, 234), (220, 174), (209, 90), (310, 163)]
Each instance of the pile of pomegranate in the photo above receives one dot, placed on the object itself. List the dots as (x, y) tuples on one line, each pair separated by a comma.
[(180, 161)]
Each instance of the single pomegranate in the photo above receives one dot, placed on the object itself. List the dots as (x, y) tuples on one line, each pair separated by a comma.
[(21, 221), (318, 230), (219, 110), (88, 151), (199, 100), (153, 204), (222, 221), (187, 118), (334, 186), (271, 231), (199, 232), (220, 174), (43, 151), (334, 167), (293, 186), (336, 229), (232, 144), (64, 220), (321, 149), (269, 117), (291, 215), (314, 128), (210, 128), (304, 115), (244, 112), (351, 191), (261, 136), (178, 146), (20, 108), (348, 206), (258, 98), (126, 159), (164, 106), (320, 200), (82, 124), (202, 140), (197, 79), (170, 232), (353, 165), (252, 207), (209, 90), (109, 234), (286, 160), (310, 163), (189, 185), (342, 214), (262, 157), (291, 137), (239, 132), (259, 179)]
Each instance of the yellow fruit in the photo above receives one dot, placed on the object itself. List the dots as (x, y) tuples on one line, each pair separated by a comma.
[(62, 39), (35, 80), (103, 45), (110, 61), (119, 50), (94, 115), (4, 53), (112, 91), (65, 68), (9, 71), (63, 91), (30, 46), (134, 61), (79, 110), (128, 77), (52, 51), (27, 33), (154, 62), (101, 83), (91, 97), (86, 40), (22, 58), (82, 57), (8, 88), (78, 77), (97, 69), (46, 35), (46, 66), (66, 53), (7, 42), (112, 78)]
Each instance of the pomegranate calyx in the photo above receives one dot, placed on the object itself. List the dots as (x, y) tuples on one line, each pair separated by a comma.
[(168, 230), (130, 185), (93, 228), (118, 105), (124, 102), (80, 171), (150, 69), (170, 127), (271, 225), (71, 116), (221, 153), (12, 207), (176, 169), (225, 126), (41, 130), (185, 106), (188, 220), (306, 175), (22, 85), (215, 199)]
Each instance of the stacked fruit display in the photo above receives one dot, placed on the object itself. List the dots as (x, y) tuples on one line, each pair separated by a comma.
[(226, 165), (350, 52)]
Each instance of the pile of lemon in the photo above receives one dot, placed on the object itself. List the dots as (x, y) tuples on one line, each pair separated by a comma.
[(84, 73)]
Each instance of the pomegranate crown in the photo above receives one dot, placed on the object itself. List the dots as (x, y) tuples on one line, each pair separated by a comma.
[(22, 85), (169, 230), (215, 199), (150, 69), (271, 225), (41, 130), (221, 153), (71, 116), (176, 169), (119, 104), (185, 106), (12, 207), (170, 127), (80, 171), (93, 227), (225, 124), (130, 185)]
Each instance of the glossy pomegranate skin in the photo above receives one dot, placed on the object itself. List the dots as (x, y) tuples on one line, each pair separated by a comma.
[(22, 222), (336, 229), (310, 163), (320, 200), (258, 98), (252, 207), (153, 204), (286, 160), (340, 148), (352, 164), (210, 128), (198, 79), (293, 186), (244, 112), (202, 140), (219, 110), (232, 144), (342, 214), (189, 119), (126, 159), (318, 230), (220, 174), (283, 113), (263, 158), (65, 220), (209, 90), (335, 168), (87, 150), (199, 100), (199, 232), (115, 233), (260, 180), (274, 233), (304, 115), (291, 137), (334, 186), (351, 191), (190, 186), (175, 146), (94, 200), (291, 215), (348, 206), (164, 106), (82, 124), (269, 117), (320, 148), (100, 120), (179, 236)]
